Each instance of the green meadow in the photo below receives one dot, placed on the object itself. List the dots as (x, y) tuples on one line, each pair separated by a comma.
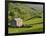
[(31, 16)]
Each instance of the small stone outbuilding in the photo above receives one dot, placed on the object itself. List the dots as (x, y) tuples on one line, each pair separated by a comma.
[(17, 22)]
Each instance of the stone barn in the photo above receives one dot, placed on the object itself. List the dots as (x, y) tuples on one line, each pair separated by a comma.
[(17, 22)]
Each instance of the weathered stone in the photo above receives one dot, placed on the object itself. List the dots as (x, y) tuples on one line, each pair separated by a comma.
[(18, 22)]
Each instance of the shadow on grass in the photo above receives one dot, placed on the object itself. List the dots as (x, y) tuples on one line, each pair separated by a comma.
[(23, 26)]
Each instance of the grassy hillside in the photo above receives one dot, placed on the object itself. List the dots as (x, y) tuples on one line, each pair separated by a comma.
[(25, 12), (28, 14)]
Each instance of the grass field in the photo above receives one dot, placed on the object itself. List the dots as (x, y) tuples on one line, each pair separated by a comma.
[(35, 28)]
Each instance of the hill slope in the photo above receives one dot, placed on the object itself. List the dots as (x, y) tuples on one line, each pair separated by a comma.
[(23, 11), (31, 16)]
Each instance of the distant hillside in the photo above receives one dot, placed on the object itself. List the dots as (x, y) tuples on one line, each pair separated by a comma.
[(24, 11)]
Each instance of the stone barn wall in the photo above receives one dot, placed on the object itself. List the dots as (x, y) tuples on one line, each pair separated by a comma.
[(19, 22)]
